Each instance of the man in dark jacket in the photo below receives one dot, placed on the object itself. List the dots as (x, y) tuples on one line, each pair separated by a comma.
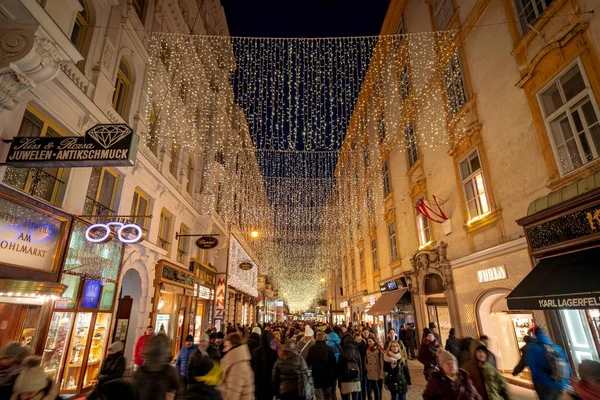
[(183, 357), (292, 379), (321, 360), (411, 341), (112, 368), (254, 339), (263, 360), (529, 342), (361, 346), (350, 369), (453, 344)]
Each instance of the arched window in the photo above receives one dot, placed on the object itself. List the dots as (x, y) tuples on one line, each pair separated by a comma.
[(190, 172), (122, 87), (82, 22), (174, 159)]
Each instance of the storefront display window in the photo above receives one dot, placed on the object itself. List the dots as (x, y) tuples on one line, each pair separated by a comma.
[(108, 296), (76, 351), (162, 323), (97, 348), (58, 335)]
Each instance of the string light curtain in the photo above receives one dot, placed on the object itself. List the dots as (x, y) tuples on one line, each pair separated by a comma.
[(292, 133)]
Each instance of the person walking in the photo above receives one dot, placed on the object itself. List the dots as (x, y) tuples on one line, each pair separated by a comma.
[(401, 337), (374, 367), (491, 357), (453, 343), (156, 379), (113, 367), (140, 346), (181, 363), (432, 329), (323, 364), (427, 357), (204, 376), (306, 342), (390, 336), (11, 357), (333, 340), (292, 379), (450, 382), (411, 341), (465, 351), (361, 346), (238, 378), (350, 369), (263, 360), (397, 375), (549, 381), (485, 377), (529, 342), (254, 339), (588, 385), (33, 383)]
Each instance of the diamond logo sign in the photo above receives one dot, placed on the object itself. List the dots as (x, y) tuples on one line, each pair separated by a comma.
[(108, 135)]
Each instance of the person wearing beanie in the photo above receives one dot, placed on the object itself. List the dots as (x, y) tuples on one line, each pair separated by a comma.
[(11, 357), (33, 383), (306, 342), (254, 339), (588, 386), (112, 368), (203, 377), (485, 377), (207, 348), (450, 383), (181, 364)]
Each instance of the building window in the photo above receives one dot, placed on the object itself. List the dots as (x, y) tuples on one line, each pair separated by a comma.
[(456, 92), (164, 230), (101, 193), (381, 127), (152, 141), (81, 26), (361, 262), (571, 116), (139, 208), (404, 81), (392, 241), (411, 144), (139, 6), (422, 226), (443, 11), (374, 254), (387, 184), (528, 11), (190, 175), (183, 245), (174, 160), (122, 86), (473, 182), (44, 183)]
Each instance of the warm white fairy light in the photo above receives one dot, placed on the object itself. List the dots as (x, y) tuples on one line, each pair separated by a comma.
[(287, 145)]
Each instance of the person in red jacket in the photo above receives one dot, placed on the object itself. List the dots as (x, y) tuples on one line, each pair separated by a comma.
[(140, 345)]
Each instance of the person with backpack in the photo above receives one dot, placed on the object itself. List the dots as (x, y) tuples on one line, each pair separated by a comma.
[(292, 379), (485, 377), (321, 360), (453, 343), (397, 375), (306, 342), (550, 370), (374, 367), (349, 369), (333, 340)]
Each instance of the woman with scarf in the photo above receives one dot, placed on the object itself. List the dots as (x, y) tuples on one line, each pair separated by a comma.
[(263, 359), (374, 367), (397, 376)]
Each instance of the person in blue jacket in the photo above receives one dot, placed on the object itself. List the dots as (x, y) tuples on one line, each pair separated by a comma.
[(333, 340), (535, 358), (181, 364)]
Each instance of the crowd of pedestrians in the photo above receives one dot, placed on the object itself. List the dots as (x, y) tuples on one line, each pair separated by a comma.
[(305, 361)]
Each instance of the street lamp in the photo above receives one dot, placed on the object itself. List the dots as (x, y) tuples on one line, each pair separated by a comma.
[(322, 279)]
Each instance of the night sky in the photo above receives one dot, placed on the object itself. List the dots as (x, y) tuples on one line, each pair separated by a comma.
[(304, 18)]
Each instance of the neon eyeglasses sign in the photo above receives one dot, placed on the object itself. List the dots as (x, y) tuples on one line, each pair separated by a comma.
[(126, 233)]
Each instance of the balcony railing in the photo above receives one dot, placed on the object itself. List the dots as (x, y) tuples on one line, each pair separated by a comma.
[(163, 243), (95, 211)]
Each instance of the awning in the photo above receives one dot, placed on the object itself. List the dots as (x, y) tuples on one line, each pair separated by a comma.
[(12, 287), (386, 302), (566, 281)]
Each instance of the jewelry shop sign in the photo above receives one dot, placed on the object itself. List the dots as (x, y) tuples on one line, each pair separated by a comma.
[(28, 238), (102, 145)]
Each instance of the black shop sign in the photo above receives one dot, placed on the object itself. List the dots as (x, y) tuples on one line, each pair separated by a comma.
[(102, 145)]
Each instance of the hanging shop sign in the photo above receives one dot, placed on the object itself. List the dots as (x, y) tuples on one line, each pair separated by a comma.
[(246, 266), (102, 145), (207, 242), (491, 274), (203, 274), (28, 238), (220, 298), (390, 286), (126, 233)]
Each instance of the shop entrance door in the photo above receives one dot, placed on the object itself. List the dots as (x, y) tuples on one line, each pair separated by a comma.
[(18, 323)]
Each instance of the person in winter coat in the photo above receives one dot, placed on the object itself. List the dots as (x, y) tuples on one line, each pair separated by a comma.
[(333, 340), (361, 346), (350, 369), (411, 342), (491, 357), (545, 386), (112, 368), (453, 344), (427, 357), (485, 377), (11, 357), (207, 348), (254, 339), (238, 378), (140, 346), (263, 360), (391, 336), (323, 364), (450, 383), (374, 367), (33, 383), (435, 332), (401, 336), (292, 379), (306, 342), (156, 379), (588, 385), (465, 351), (529, 342), (181, 364), (203, 376), (397, 376)]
